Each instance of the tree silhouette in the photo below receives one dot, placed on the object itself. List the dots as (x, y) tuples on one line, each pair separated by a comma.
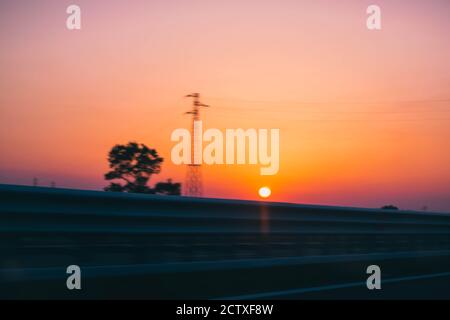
[(134, 164)]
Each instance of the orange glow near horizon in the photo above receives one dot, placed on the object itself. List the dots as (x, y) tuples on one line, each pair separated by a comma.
[(363, 116)]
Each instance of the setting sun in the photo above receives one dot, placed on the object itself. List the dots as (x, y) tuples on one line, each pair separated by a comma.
[(264, 192)]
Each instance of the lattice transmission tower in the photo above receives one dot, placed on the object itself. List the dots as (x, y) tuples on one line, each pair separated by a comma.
[(194, 184)]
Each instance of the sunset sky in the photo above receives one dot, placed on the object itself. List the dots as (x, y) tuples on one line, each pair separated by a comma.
[(364, 116)]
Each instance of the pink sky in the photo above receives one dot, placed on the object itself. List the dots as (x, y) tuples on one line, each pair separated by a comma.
[(364, 115)]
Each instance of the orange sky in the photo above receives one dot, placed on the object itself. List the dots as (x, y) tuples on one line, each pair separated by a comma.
[(364, 115)]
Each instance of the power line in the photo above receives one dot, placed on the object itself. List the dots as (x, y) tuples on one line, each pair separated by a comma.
[(410, 101), (279, 117), (277, 110)]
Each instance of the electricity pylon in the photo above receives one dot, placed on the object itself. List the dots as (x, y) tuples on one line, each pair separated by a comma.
[(194, 183)]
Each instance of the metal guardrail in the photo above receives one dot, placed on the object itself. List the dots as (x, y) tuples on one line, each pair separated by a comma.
[(123, 235)]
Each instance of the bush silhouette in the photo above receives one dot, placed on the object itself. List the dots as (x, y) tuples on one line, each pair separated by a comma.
[(389, 207)]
